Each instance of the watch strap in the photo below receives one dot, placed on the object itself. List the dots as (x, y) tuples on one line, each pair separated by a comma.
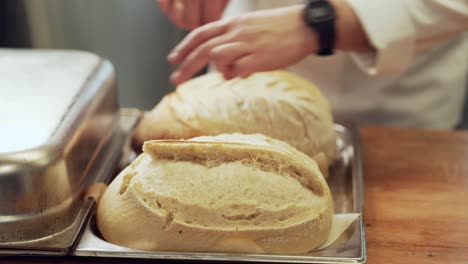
[(326, 35), (320, 17)]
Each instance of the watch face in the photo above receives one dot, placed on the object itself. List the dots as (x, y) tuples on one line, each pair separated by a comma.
[(319, 11)]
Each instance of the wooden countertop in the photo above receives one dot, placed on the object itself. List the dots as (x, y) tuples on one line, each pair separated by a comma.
[(416, 199), (416, 195)]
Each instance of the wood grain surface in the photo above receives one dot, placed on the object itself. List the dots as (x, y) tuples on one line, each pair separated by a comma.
[(416, 199), (416, 195)]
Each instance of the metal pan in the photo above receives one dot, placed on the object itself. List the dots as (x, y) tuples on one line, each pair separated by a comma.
[(59, 240), (59, 109)]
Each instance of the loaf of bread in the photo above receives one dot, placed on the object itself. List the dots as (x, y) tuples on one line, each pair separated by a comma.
[(277, 104), (230, 193)]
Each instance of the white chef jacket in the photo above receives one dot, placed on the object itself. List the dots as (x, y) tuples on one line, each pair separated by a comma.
[(418, 74)]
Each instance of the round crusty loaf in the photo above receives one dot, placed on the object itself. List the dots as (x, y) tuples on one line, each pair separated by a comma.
[(231, 193), (277, 104)]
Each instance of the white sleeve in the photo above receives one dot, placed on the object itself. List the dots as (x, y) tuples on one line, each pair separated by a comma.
[(401, 29)]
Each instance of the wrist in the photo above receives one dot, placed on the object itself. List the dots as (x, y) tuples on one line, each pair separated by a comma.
[(309, 38), (319, 16)]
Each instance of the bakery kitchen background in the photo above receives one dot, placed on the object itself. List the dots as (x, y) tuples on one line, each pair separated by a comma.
[(136, 47), (136, 37)]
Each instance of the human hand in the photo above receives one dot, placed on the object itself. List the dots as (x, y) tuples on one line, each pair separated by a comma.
[(190, 14), (258, 41)]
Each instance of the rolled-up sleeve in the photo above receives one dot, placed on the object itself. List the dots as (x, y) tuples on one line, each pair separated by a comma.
[(399, 30)]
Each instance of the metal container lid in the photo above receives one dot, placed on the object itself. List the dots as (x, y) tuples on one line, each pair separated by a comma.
[(36, 89), (58, 121)]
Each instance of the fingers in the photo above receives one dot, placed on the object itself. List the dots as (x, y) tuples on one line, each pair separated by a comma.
[(185, 14), (195, 39), (232, 66), (246, 66), (165, 6), (177, 13), (173, 9), (224, 56), (212, 10), (196, 60), (192, 14)]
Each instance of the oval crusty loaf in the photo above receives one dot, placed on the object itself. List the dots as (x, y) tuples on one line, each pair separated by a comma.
[(232, 193), (277, 104)]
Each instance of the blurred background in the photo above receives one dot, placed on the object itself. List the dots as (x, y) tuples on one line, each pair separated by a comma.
[(133, 34)]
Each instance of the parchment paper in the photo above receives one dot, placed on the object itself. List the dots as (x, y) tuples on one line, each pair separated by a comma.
[(340, 223)]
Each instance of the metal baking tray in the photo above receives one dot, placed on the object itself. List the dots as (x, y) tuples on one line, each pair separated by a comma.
[(346, 184)]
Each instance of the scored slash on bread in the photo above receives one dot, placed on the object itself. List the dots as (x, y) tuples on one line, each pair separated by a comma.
[(231, 192), (277, 104)]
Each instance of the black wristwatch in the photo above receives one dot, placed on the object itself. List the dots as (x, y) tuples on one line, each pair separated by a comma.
[(320, 16)]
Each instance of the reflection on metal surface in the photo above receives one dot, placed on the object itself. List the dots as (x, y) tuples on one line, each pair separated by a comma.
[(60, 224), (37, 88), (345, 182), (42, 185), (39, 198)]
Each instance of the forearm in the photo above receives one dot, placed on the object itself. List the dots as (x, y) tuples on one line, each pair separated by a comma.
[(350, 35), (432, 21)]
